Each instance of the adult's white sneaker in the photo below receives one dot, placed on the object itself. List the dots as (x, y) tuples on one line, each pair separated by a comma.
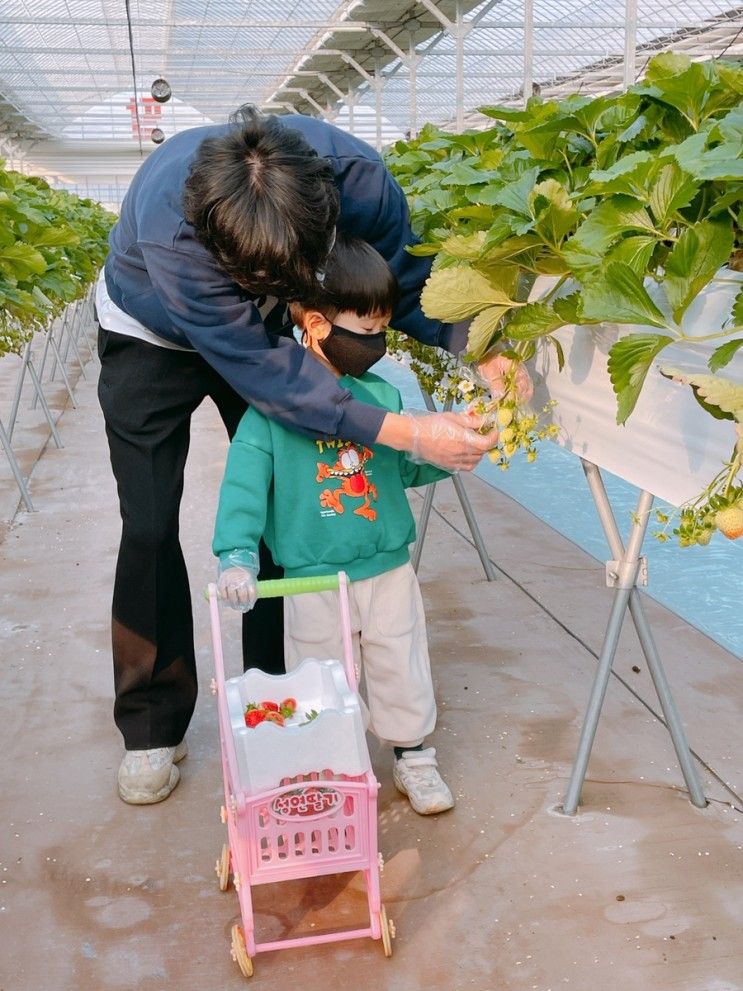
[(416, 775), (149, 776)]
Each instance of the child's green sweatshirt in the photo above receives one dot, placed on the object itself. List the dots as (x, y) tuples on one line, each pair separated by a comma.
[(321, 505)]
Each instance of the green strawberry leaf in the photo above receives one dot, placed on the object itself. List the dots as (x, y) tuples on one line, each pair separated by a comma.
[(515, 195), (738, 308), (554, 211), (720, 397), (729, 128), (482, 330), (532, 321), (617, 295), (636, 251), (567, 307), (630, 359), (606, 224), (629, 176), (558, 351), (20, 261), (673, 190), (722, 355), (687, 91), (696, 257), (667, 64)]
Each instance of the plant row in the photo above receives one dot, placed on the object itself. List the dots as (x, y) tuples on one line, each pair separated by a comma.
[(52, 245)]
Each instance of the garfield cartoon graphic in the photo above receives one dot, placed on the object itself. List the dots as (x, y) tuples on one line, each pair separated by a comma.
[(354, 483)]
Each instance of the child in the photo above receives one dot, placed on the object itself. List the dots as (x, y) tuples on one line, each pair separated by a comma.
[(328, 505)]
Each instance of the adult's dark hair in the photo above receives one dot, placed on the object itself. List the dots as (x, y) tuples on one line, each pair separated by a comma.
[(357, 278), (264, 204)]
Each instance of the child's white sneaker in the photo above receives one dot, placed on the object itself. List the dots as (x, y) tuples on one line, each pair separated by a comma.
[(149, 776), (416, 775)]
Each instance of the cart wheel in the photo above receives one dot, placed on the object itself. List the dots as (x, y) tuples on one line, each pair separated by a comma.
[(388, 931), (239, 952), (222, 868)]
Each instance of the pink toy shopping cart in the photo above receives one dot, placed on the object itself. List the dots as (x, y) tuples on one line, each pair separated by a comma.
[(300, 799)]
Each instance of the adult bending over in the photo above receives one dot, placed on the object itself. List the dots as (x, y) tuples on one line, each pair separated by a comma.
[(220, 228)]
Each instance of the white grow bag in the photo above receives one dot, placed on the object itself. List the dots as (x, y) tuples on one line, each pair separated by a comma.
[(669, 446)]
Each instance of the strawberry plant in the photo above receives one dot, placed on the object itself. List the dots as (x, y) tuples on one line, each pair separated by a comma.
[(52, 245), (632, 202)]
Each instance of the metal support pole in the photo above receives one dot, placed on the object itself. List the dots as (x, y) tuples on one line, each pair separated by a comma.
[(27, 365), (459, 42), (464, 501), (415, 554), (413, 68), (50, 343), (663, 691), (15, 468), (627, 565), (42, 399), (350, 104), (378, 87), (17, 394), (528, 50), (71, 343), (68, 316), (647, 642), (630, 41)]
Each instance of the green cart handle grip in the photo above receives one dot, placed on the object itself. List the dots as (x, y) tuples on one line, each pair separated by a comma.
[(272, 588)]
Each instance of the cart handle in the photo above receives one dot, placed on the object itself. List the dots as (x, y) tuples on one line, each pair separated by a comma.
[(274, 587)]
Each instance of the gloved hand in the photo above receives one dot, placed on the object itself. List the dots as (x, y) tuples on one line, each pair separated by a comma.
[(498, 370), (448, 440), (237, 581), (238, 588)]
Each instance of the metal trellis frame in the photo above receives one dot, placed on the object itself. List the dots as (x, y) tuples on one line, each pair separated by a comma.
[(623, 573)]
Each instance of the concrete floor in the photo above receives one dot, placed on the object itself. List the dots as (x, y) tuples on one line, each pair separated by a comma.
[(640, 890)]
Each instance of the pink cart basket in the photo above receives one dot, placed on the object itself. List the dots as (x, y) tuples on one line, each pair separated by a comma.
[(310, 824)]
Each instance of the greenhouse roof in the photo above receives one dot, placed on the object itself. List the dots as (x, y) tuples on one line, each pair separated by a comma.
[(66, 65), (381, 68)]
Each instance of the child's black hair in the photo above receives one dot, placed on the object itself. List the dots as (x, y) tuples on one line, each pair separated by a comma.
[(357, 278)]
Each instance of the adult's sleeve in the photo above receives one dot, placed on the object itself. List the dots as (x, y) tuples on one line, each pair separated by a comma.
[(274, 374), (373, 207)]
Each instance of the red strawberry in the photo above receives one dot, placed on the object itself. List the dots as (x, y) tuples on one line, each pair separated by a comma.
[(253, 717), (288, 707), (730, 522), (270, 706), (274, 717)]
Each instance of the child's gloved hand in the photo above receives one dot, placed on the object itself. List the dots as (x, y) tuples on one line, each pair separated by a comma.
[(237, 580), (238, 588)]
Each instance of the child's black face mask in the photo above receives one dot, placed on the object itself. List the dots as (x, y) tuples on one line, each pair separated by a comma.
[(353, 354)]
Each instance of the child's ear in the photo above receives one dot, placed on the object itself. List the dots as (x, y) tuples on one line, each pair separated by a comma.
[(316, 326)]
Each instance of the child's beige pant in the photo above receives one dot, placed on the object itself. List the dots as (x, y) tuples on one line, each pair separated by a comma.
[(388, 628)]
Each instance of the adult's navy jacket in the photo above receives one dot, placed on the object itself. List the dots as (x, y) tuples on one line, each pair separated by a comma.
[(158, 273)]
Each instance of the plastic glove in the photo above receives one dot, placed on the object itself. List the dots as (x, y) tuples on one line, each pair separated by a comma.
[(494, 371), (237, 582), (448, 440)]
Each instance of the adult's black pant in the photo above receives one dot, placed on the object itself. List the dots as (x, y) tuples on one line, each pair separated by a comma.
[(147, 394)]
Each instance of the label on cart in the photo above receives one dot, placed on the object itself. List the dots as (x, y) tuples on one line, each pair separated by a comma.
[(303, 803)]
